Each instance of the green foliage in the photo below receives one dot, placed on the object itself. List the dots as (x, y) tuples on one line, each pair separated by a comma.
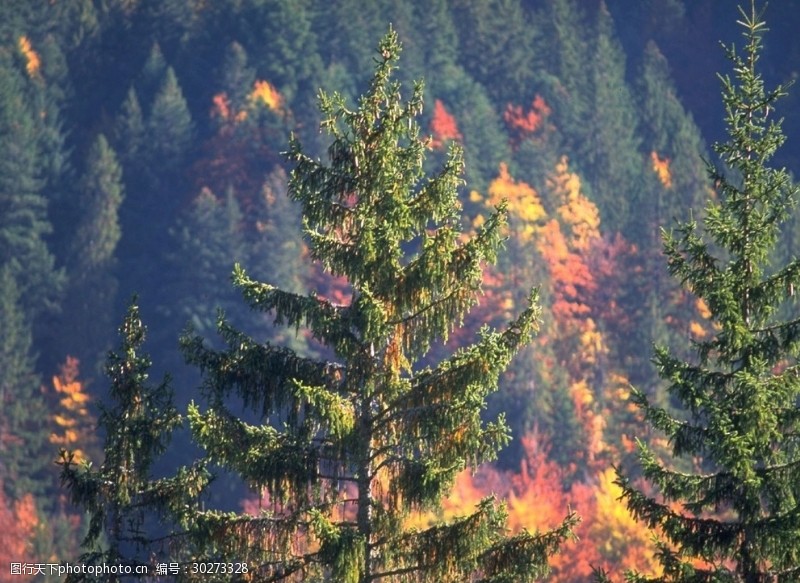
[(437, 33), (152, 75), (669, 131), (23, 206), (565, 57), (345, 449), (610, 145), (169, 126), (23, 425), (85, 323), (129, 129), (237, 75), (101, 196), (485, 145), (500, 62), (208, 241), (129, 511), (739, 519)]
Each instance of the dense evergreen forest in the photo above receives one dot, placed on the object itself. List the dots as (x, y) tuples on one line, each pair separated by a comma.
[(149, 146)]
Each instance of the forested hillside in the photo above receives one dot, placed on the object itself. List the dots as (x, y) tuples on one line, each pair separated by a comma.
[(142, 153)]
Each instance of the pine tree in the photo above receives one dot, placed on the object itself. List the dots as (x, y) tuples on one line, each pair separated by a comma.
[(122, 499), (672, 139), (209, 240), (169, 127), (86, 320), (273, 236), (565, 57), (155, 181), (101, 196), (151, 77), (736, 518), (129, 129), (23, 429), (501, 63), (674, 186), (485, 143), (237, 76), (434, 22), (347, 448), (23, 206), (609, 145)]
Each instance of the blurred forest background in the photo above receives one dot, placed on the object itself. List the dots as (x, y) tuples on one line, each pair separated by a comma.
[(140, 147)]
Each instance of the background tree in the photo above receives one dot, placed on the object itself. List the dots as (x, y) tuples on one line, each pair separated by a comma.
[(23, 424), (738, 518), (346, 448), (612, 163), (89, 301), (24, 224), (209, 241)]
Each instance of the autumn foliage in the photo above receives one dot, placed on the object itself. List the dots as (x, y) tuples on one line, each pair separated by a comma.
[(32, 61), (661, 168), (522, 123), (74, 423), (18, 522), (443, 126), (265, 93), (538, 494)]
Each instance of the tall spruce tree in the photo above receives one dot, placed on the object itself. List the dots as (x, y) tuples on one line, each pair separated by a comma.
[(737, 517), (345, 449)]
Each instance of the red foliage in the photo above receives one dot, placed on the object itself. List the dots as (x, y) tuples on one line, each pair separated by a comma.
[(572, 281), (608, 259), (236, 157), (18, 521), (443, 126), (538, 500), (522, 123)]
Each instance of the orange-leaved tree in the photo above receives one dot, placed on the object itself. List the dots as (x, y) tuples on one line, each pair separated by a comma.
[(74, 423)]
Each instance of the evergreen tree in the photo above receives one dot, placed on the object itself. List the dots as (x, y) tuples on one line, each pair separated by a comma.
[(129, 129), (151, 77), (86, 321), (208, 241), (347, 448), (502, 63), (281, 43), (282, 48), (437, 33), (674, 187), (129, 511), (155, 181), (101, 196), (169, 127), (23, 207), (237, 75), (739, 519), (485, 144), (609, 148), (274, 238), (565, 56), (23, 426), (345, 28), (672, 138)]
